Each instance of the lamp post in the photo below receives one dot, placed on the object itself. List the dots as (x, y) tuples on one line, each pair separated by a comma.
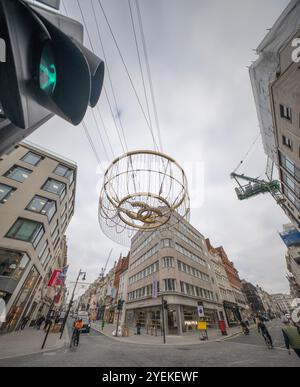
[(81, 273)]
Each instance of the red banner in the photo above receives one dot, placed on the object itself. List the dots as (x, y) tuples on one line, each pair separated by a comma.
[(57, 298), (54, 280)]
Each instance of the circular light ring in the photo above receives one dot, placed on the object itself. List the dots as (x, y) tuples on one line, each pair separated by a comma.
[(142, 191)]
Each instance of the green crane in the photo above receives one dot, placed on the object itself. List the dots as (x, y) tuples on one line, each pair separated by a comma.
[(255, 187)]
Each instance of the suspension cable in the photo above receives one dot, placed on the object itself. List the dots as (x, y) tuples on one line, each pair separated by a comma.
[(140, 61), (128, 73), (149, 73)]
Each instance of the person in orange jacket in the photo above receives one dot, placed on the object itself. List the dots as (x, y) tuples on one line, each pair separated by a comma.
[(78, 326)]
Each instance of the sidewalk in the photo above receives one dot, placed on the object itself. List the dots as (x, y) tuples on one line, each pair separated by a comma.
[(146, 339), (29, 342)]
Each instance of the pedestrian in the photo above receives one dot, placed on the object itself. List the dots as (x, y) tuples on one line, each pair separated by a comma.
[(24, 322), (263, 330), (291, 336), (247, 322), (39, 322), (138, 328), (48, 323)]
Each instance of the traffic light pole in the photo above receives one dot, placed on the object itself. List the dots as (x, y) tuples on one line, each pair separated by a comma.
[(163, 318)]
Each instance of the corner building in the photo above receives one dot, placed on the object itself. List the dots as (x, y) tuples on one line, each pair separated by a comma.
[(177, 261)]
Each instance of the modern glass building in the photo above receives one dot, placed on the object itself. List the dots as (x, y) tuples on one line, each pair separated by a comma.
[(37, 201)]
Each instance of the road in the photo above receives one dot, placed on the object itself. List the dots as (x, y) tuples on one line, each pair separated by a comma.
[(96, 350)]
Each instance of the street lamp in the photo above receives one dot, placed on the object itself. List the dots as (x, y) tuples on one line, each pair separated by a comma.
[(83, 274)]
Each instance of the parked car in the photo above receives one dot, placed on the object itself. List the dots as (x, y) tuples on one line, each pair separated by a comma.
[(86, 324)]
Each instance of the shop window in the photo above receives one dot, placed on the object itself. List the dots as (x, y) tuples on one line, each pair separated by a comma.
[(13, 264)]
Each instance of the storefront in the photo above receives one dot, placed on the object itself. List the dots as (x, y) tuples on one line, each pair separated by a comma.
[(21, 306), (148, 318), (190, 318), (12, 267), (233, 314)]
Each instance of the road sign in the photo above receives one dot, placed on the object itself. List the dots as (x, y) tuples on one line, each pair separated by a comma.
[(201, 312)]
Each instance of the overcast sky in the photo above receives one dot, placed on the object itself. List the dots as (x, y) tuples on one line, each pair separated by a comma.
[(199, 51)]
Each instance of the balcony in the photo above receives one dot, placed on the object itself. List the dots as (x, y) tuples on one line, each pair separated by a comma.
[(8, 284)]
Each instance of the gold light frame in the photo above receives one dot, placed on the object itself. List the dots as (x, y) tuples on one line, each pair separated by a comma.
[(142, 190)]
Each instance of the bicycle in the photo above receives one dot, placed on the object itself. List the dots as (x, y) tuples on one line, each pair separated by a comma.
[(73, 342), (267, 341)]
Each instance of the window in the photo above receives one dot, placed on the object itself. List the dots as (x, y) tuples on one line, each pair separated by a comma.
[(170, 285), (5, 192), (45, 255), (18, 174), (32, 158), (55, 187), (64, 210), (54, 228), (63, 171), (168, 262), (43, 206), (27, 230), (55, 233), (166, 243), (287, 142), (286, 112), (13, 264)]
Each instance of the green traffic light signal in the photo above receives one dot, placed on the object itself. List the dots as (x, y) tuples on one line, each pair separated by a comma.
[(48, 74)]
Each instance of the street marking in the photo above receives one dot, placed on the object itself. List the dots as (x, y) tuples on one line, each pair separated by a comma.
[(49, 354)]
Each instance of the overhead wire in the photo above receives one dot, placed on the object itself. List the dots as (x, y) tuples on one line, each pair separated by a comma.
[(105, 90), (247, 154), (140, 61), (111, 84), (128, 73), (149, 73)]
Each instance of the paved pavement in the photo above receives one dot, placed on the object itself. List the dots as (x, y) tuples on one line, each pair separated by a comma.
[(97, 350), (192, 338), (28, 342)]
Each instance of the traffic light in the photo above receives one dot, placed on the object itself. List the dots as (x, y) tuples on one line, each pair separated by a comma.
[(47, 70), (166, 304), (120, 305)]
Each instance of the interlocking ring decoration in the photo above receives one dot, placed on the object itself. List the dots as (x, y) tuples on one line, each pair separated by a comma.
[(142, 191)]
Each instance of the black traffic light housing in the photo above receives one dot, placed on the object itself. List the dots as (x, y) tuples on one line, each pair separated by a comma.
[(166, 304), (47, 69), (120, 305)]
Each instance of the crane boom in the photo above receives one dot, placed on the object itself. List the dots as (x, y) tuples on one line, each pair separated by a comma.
[(255, 187), (103, 270)]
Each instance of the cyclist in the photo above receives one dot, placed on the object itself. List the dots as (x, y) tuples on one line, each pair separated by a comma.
[(77, 327), (245, 328), (263, 330)]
